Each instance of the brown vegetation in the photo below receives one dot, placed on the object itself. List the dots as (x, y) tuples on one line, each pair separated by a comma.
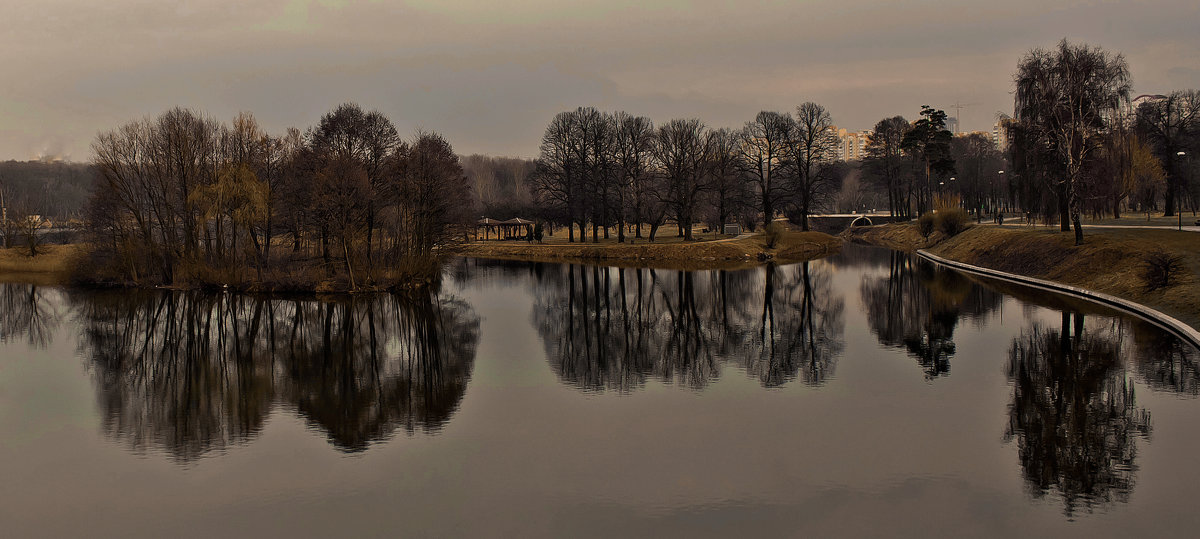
[(1111, 261), (185, 201), (52, 266), (749, 251)]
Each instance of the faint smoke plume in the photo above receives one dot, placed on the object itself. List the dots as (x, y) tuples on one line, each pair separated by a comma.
[(49, 150)]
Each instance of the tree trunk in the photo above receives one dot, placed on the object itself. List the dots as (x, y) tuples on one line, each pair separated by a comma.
[(370, 236), (768, 209), (1064, 207), (325, 245), (1074, 205), (346, 257)]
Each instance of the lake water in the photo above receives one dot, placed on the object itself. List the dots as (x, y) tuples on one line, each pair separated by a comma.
[(866, 394)]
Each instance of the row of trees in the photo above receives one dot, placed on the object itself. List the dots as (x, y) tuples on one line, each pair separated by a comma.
[(183, 198), (1077, 145), (906, 160), (615, 169), (38, 195)]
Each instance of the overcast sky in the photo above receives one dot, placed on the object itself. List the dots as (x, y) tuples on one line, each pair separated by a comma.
[(490, 75)]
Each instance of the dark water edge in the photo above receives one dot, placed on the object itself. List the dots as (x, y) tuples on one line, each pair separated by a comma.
[(843, 396)]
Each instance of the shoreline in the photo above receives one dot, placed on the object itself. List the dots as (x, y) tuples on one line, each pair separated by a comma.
[(1149, 314), (732, 253), (1106, 269), (54, 266), (50, 268)]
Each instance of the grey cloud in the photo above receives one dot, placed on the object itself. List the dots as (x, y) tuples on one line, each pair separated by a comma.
[(490, 76)]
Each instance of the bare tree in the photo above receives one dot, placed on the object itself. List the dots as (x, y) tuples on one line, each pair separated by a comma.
[(1066, 98), (728, 183), (976, 162), (430, 188), (764, 150), (632, 147), (813, 143), (682, 152), (557, 179), (184, 188), (1171, 125), (886, 164)]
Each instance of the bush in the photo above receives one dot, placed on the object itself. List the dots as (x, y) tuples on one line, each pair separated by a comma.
[(1159, 267), (774, 232), (538, 234), (925, 225), (952, 221)]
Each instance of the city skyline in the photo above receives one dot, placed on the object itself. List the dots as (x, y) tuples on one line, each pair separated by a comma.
[(489, 77)]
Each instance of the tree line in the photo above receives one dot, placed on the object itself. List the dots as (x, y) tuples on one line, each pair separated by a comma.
[(1077, 145), (38, 195), (615, 170), (347, 204)]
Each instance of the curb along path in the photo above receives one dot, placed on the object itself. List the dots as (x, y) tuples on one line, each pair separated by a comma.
[(1179, 329)]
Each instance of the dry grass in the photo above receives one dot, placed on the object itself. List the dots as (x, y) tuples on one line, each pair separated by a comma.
[(53, 266), (1139, 219), (898, 236), (1111, 261), (669, 253)]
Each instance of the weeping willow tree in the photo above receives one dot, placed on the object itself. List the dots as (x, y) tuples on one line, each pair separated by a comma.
[(1066, 103)]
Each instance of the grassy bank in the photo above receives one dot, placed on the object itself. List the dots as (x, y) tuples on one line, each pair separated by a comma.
[(52, 266), (793, 246), (1111, 261)]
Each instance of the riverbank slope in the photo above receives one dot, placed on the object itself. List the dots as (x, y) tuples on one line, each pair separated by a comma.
[(1111, 261), (50, 267)]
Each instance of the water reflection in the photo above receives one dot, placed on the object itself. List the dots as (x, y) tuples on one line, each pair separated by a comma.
[(1164, 362), (26, 313), (613, 328), (1073, 413), (916, 306), (190, 373)]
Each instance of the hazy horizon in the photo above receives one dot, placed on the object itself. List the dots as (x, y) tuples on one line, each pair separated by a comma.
[(490, 77)]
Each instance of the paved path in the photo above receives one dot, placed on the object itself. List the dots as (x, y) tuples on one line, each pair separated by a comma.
[(1186, 228)]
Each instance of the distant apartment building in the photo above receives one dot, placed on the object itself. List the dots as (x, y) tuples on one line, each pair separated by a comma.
[(1000, 133), (852, 146)]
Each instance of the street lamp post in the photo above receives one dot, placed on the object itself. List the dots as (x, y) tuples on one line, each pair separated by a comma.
[(995, 198), (3, 219), (1179, 195)]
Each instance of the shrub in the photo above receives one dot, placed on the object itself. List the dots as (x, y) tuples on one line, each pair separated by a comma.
[(925, 224), (952, 221), (1159, 267), (774, 233), (538, 234)]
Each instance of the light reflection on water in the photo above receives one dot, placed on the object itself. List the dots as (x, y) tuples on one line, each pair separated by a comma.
[(543, 399)]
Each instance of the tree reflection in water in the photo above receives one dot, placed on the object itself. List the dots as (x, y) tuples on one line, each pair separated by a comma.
[(25, 312), (613, 328), (1073, 413), (1165, 362), (917, 305), (191, 373)]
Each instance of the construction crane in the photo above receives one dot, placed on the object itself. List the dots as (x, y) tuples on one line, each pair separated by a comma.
[(958, 110)]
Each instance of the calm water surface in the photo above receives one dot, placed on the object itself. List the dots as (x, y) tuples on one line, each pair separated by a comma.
[(866, 394)]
